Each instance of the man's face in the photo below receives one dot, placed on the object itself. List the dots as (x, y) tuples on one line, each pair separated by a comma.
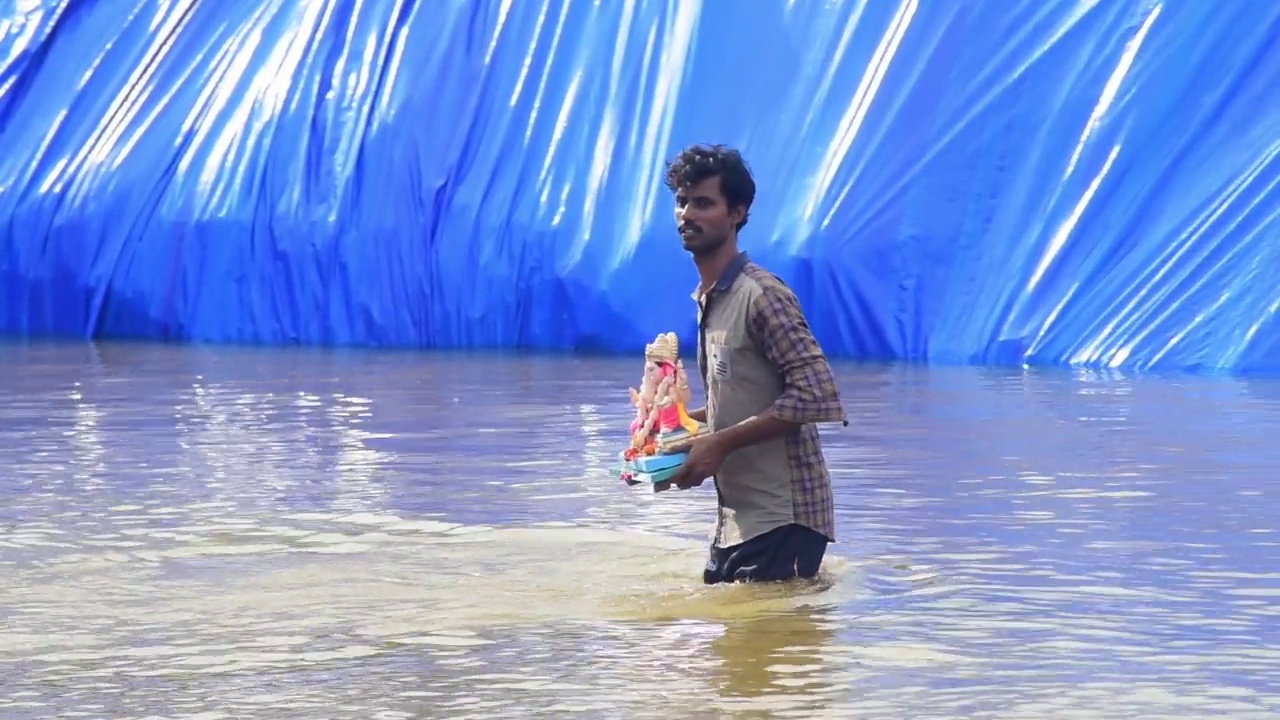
[(703, 219)]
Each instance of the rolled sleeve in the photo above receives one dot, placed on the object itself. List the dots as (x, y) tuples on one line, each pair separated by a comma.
[(809, 394)]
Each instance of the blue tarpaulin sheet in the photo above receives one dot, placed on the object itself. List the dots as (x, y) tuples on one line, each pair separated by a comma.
[(1060, 182)]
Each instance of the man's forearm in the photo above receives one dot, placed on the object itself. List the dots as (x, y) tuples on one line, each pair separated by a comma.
[(754, 431)]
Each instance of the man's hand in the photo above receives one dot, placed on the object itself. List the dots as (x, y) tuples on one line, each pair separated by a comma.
[(706, 454)]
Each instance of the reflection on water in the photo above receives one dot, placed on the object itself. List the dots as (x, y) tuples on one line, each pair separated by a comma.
[(298, 534)]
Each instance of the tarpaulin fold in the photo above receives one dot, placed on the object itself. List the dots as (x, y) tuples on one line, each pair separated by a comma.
[(1067, 182)]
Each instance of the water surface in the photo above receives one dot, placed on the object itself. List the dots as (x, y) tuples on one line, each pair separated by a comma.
[(228, 533)]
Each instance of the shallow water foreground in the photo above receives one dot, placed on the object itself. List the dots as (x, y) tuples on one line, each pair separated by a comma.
[(224, 533)]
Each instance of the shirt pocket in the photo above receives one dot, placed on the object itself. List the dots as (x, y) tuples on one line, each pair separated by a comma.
[(719, 361)]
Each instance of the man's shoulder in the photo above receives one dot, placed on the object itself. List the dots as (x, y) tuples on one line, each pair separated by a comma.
[(761, 280), (766, 288)]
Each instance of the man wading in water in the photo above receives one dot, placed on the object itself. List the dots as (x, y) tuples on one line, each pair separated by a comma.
[(768, 383)]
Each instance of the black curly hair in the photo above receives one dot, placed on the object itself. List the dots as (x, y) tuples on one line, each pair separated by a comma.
[(699, 162)]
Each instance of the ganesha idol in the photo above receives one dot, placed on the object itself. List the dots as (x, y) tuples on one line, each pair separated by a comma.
[(662, 429)]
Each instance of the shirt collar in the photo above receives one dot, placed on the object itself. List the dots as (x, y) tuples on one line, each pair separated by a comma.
[(727, 276)]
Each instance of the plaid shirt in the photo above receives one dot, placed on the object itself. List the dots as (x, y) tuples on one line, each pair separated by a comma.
[(778, 329)]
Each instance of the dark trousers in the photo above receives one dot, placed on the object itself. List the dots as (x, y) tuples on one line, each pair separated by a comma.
[(783, 553)]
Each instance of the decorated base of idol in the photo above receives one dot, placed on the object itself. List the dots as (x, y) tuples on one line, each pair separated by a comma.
[(662, 429)]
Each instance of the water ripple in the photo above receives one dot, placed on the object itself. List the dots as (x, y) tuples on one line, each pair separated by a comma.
[(207, 533)]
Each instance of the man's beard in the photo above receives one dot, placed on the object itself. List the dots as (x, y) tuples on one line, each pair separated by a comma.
[(700, 245)]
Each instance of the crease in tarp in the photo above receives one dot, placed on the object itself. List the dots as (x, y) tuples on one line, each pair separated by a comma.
[(1076, 183)]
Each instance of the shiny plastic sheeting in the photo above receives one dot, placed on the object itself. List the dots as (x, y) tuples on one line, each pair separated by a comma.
[(984, 181)]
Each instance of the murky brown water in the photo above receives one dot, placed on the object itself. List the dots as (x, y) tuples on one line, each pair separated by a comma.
[(217, 533)]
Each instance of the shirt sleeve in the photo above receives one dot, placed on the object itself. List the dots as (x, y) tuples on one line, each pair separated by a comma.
[(809, 393)]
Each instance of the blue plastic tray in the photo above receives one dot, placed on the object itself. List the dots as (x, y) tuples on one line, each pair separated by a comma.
[(656, 463), (652, 468)]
